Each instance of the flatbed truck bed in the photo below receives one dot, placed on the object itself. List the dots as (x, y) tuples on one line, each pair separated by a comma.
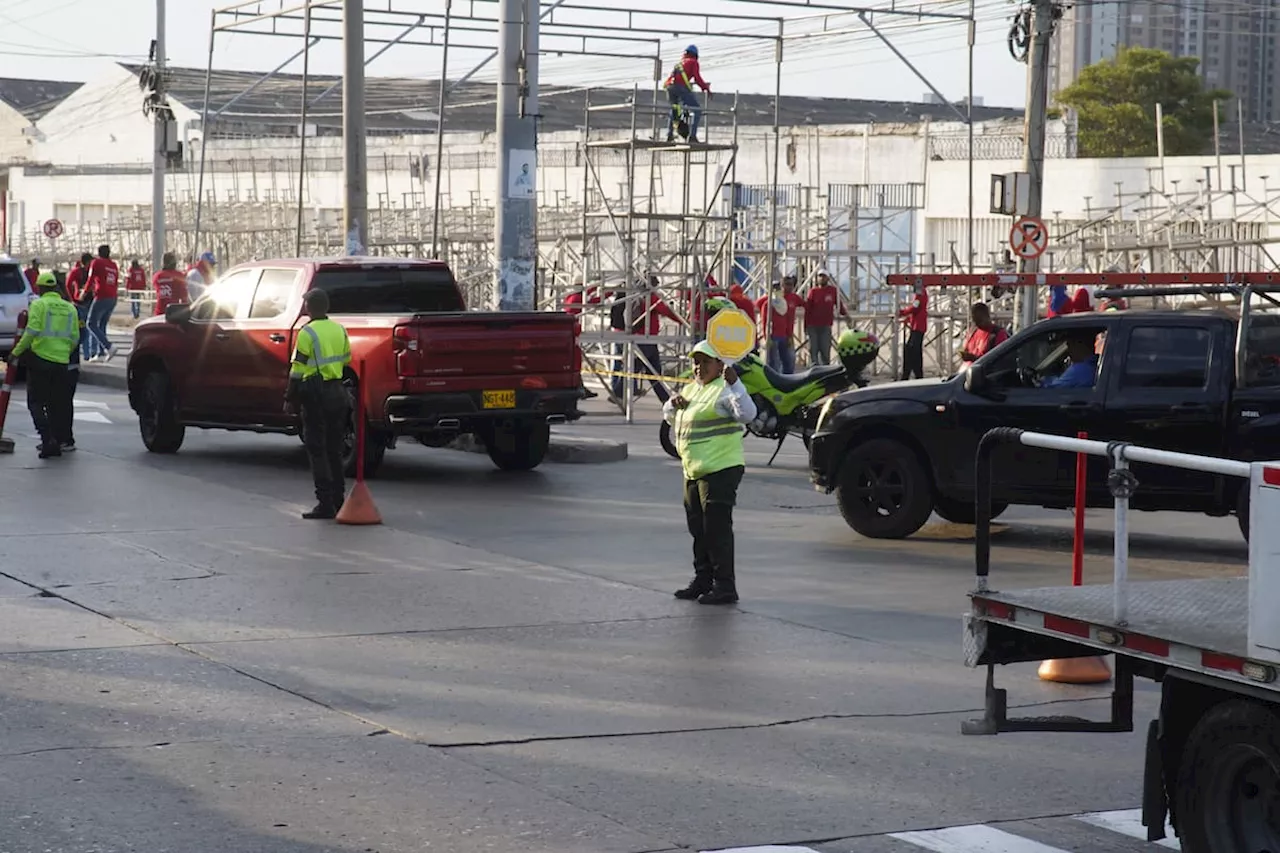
[(1212, 765)]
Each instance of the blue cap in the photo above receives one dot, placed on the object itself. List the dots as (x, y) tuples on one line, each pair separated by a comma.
[(692, 50), (207, 258)]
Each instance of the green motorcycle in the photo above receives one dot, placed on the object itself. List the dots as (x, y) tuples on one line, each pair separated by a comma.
[(786, 402)]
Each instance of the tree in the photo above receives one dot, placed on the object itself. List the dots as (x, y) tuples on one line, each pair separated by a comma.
[(1115, 102)]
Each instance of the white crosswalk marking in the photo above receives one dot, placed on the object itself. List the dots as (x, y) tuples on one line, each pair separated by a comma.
[(1128, 822), (92, 416), (91, 404), (973, 839)]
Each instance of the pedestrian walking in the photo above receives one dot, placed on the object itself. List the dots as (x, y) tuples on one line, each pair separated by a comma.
[(104, 288), (169, 284), (646, 312), (320, 358), (820, 306), (707, 417), (45, 348), (915, 317), (136, 285)]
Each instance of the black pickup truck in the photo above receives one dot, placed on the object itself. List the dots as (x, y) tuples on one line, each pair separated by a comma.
[(1196, 381)]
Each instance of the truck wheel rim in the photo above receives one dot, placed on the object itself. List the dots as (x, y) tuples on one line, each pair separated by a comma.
[(1244, 802), (150, 419), (881, 487)]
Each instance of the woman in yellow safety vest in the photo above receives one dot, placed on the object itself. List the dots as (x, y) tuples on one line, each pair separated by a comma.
[(707, 417)]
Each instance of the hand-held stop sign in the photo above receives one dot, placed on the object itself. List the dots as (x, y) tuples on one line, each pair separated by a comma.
[(1028, 238), (732, 334)]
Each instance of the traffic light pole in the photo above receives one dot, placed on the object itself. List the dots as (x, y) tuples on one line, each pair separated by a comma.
[(1044, 12)]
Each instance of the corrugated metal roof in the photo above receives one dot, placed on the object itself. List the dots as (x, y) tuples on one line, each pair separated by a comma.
[(407, 105), (35, 98)]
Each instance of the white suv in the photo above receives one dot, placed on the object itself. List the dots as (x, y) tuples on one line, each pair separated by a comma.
[(15, 296)]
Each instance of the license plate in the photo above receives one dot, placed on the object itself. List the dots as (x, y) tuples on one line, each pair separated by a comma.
[(499, 399)]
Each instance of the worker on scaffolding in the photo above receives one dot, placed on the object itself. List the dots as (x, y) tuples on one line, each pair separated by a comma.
[(685, 108)]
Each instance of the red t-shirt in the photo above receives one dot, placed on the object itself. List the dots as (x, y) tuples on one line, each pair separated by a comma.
[(75, 283), (744, 304), (982, 341), (780, 325), (104, 278), (137, 278), (657, 310), (171, 289), (691, 71), (820, 306), (916, 315), (31, 275)]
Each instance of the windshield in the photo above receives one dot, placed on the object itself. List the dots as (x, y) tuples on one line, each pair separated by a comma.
[(12, 280), (389, 290)]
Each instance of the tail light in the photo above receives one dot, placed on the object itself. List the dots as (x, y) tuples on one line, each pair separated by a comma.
[(404, 343)]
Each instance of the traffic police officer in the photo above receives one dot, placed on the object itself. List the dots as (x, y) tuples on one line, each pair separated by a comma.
[(707, 416), (52, 333), (320, 357)]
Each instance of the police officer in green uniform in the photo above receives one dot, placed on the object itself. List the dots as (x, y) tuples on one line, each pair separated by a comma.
[(707, 417), (52, 332), (320, 357)]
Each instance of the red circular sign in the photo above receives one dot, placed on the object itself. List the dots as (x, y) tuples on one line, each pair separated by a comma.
[(1029, 238), (53, 229)]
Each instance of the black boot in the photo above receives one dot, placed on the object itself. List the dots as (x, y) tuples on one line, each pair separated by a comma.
[(49, 449), (721, 593), (321, 511), (700, 585)]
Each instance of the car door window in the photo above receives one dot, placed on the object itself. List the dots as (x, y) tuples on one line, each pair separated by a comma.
[(1041, 360), (1166, 357), (272, 295), (227, 298)]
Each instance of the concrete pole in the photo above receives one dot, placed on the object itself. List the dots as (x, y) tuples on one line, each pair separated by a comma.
[(516, 225), (161, 154), (1033, 156), (355, 212)]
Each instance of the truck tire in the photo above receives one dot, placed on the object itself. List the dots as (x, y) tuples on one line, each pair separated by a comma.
[(963, 512), (375, 449), (883, 491), (520, 447), (1228, 778), (667, 441), (158, 414)]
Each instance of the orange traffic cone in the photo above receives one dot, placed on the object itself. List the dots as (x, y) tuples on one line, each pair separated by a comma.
[(1092, 670), (359, 507)]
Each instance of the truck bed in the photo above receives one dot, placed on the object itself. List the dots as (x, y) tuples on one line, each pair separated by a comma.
[(1207, 614)]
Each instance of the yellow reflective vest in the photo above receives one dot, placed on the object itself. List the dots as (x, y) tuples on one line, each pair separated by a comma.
[(53, 329), (323, 349), (707, 440)]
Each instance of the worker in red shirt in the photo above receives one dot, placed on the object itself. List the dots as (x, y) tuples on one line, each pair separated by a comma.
[(915, 318), (170, 284), (32, 272), (820, 306), (646, 312), (697, 299), (573, 300), (778, 313), (986, 335), (739, 298), (77, 283), (136, 284), (104, 287), (679, 85)]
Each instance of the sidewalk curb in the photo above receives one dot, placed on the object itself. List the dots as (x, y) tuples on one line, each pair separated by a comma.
[(568, 450), (104, 377)]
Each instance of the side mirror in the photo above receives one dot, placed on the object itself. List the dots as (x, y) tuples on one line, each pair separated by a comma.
[(978, 383), (177, 313)]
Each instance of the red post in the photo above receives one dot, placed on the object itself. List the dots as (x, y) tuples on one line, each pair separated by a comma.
[(360, 424), (1077, 549)]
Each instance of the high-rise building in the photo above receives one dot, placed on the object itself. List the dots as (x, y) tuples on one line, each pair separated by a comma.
[(1236, 41)]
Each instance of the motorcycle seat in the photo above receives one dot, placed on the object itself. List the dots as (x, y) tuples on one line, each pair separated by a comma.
[(788, 382)]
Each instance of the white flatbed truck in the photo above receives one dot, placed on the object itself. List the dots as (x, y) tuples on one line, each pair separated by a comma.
[(1212, 767)]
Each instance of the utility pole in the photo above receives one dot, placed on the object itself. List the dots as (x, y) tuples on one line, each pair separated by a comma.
[(1043, 15), (163, 118), (516, 225), (355, 208)]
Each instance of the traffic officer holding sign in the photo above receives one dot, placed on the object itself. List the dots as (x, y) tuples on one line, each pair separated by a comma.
[(707, 417), (53, 331), (320, 357)]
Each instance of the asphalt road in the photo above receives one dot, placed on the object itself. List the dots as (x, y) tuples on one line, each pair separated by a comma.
[(185, 665)]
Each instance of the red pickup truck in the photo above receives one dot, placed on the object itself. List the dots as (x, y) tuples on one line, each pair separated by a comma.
[(425, 367)]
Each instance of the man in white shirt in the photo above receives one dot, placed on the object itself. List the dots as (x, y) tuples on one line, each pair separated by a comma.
[(707, 418)]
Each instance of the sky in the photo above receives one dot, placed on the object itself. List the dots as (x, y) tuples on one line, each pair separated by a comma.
[(827, 53)]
